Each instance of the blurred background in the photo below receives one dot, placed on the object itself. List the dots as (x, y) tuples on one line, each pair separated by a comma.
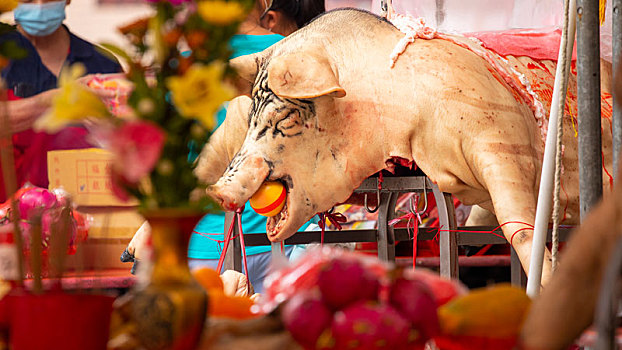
[(97, 20)]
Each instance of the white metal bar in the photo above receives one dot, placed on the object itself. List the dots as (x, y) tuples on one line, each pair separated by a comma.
[(543, 211)]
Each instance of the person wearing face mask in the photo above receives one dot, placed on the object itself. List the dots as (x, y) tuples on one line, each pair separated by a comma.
[(32, 83)]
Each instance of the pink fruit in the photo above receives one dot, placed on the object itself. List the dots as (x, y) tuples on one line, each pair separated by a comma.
[(345, 281), (62, 197), (443, 290), (369, 326), (36, 198), (305, 316), (415, 302), (25, 229), (51, 218)]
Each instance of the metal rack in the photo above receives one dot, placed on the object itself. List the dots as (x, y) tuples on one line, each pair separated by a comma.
[(386, 236)]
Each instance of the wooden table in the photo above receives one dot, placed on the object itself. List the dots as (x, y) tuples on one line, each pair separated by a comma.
[(92, 279)]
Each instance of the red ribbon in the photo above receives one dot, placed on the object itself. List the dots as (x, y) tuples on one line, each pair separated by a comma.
[(335, 218), (228, 237), (412, 217)]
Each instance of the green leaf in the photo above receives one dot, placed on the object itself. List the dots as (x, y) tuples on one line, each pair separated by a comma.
[(117, 51)]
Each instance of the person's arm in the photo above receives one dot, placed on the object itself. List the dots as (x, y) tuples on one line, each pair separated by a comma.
[(23, 113)]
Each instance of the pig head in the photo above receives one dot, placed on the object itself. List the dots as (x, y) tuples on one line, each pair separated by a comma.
[(293, 137)]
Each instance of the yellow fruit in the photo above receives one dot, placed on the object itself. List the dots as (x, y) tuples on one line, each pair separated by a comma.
[(269, 198), (208, 278), (494, 312)]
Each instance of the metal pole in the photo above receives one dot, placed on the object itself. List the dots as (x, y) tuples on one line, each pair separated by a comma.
[(543, 208), (383, 8), (616, 34), (440, 13), (233, 256), (386, 235), (588, 91), (448, 241)]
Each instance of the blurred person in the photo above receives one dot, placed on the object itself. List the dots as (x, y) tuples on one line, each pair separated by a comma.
[(32, 83)]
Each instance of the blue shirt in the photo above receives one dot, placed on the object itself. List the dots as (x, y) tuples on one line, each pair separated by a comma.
[(28, 76), (203, 243)]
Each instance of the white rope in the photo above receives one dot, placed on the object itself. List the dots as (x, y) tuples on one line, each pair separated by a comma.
[(560, 131), (553, 149), (558, 172)]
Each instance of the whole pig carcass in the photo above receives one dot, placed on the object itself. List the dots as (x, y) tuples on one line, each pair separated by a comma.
[(327, 111)]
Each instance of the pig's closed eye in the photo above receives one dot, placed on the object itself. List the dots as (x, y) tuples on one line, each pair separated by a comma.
[(291, 124)]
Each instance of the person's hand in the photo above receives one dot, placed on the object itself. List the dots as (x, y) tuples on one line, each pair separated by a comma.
[(236, 284), (24, 112), (124, 86), (104, 94)]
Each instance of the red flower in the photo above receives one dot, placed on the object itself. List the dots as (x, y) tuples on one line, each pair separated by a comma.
[(136, 146)]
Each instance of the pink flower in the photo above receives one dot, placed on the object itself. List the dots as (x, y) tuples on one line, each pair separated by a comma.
[(118, 186), (136, 146)]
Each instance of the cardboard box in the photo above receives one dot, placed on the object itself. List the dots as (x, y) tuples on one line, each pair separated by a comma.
[(84, 173), (99, 254), (113, 222), (111, 230)]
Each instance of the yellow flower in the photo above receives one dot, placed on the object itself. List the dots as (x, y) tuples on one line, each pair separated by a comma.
[(199, 92), (221, 12), (8, 5), (73, 103)]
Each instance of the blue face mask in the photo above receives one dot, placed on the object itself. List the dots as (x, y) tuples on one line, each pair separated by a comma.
[(40, 19)]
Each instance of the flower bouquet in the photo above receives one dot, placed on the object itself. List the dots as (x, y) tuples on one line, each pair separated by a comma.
[(177, 67)]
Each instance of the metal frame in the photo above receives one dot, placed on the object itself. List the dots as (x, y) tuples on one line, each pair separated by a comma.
[(588, 104), (386, 236), (233, 256), (616, 37)]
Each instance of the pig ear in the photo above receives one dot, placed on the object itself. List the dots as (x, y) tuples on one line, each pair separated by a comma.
[(247, 66), (303, 76)]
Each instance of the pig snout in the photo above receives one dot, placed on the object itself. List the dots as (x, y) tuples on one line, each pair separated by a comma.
[(227, 203), (241, 180)]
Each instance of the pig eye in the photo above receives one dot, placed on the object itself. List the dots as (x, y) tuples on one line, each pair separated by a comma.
[(290, 124)]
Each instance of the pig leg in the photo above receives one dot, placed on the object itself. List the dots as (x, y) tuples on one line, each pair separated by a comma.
[(481, 217), (511, 182)]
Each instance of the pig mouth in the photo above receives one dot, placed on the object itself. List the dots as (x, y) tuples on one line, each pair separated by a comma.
[(275, 224)]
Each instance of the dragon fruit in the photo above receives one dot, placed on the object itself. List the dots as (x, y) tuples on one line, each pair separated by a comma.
[(369, 326), (36, 199), (345, 281), (305, 316), (414, 300)]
